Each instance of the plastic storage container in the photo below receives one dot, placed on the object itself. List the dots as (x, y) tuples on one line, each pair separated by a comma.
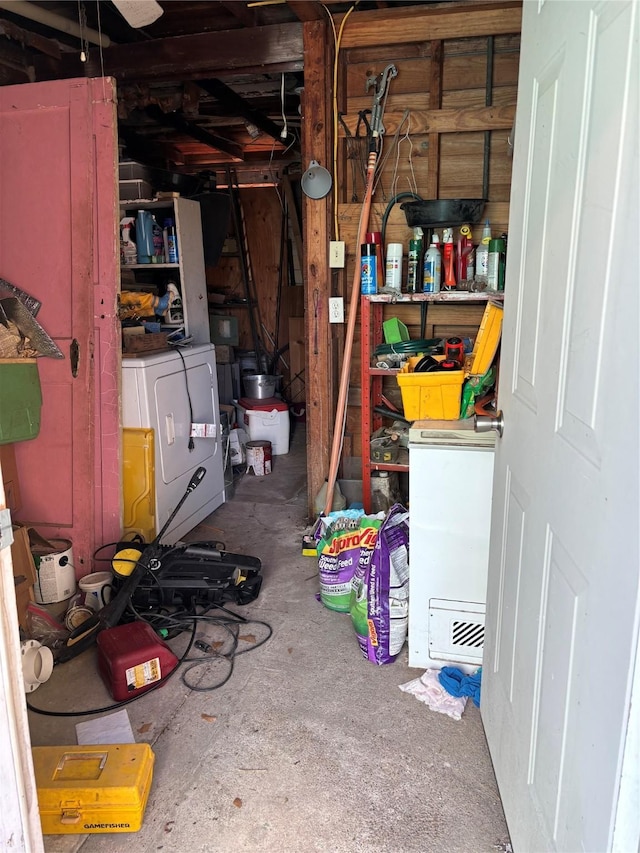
[(431, 395), (394, 331), (91, 789), (269, 420)]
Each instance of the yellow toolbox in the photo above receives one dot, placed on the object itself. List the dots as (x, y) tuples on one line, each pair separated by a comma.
[(91, 789)]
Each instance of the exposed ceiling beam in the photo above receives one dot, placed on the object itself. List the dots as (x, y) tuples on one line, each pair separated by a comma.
[(51, 19), (240, 11), (257, 50), (28, 39), (305, 11), (178, 122), (232, 102), (17, 60)]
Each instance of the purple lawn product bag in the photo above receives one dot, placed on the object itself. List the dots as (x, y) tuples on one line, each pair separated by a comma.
[(379, 603)]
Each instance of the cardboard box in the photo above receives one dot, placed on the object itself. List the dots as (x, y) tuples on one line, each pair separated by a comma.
[(149, 342), (225, 354), (10, 477), (24, 571)]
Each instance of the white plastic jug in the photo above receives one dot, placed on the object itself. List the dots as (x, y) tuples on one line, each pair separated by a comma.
[(97, 589)]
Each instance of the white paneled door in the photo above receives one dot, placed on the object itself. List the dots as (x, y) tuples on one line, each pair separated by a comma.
[(562, 611)]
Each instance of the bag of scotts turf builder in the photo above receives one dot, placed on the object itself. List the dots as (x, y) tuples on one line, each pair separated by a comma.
[(379, 603), (347, 537)]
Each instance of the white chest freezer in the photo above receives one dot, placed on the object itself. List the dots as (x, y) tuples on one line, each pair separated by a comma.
[(450, 487), (167, 392)]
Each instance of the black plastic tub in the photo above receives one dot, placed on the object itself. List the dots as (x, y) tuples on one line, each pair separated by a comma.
[(443, 212)]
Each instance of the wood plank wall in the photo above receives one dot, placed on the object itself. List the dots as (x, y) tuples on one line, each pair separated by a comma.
[(262, 208), (434, 141)]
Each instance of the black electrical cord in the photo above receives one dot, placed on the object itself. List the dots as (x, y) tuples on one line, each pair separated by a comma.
[(116, 705), (181, 621), (191, 444)]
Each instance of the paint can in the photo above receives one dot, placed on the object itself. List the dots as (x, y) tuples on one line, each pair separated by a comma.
[(258, 458), (55, 571)]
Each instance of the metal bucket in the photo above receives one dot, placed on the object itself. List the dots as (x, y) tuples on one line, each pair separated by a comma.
[(259, 386)]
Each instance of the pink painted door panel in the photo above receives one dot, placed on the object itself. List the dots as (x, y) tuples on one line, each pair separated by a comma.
[(58, 241)]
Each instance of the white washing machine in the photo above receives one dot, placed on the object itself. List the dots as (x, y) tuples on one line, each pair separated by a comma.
[(450, 487)]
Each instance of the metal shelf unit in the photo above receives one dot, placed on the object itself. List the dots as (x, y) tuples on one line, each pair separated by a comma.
[(371, 318)]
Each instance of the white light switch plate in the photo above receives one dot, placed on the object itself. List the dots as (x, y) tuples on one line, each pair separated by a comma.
[(336, 254)]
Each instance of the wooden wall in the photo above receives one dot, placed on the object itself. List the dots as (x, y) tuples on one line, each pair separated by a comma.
[(438, 115), (277, 298)]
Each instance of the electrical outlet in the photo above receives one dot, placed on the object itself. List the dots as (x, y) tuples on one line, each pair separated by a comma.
[(336, 254), (336, 309)]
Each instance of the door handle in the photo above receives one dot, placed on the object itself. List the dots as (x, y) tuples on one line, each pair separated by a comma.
[(485, 423), (170, 428)]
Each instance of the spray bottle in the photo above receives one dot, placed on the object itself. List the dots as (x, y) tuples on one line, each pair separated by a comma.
[(449, 260), (128, 251), (413, 261), (170, 241), (158, 243), (432, 268), (482, 255), (464, 269)]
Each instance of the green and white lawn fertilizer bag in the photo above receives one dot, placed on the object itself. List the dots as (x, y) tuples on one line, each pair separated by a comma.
[(347, 538), (380, 591)]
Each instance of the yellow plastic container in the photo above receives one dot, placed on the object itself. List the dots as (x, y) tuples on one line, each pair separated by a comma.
[(138, 482), (487, 340), (91, 789), (433, 395)]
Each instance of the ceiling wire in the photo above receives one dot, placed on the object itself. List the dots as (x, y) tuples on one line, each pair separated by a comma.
[(82, 23)]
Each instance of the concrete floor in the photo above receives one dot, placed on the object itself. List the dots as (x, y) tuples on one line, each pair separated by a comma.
[(308, 747)]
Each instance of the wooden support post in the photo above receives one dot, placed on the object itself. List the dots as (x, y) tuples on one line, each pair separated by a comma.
[(316, 145), (435, 103)]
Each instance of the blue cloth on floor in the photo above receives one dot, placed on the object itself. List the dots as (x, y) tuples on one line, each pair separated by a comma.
[(458, 684)]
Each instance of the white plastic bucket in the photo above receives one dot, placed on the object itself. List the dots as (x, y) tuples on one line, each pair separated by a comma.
[(97, 589), (270, 426), (55, 573)]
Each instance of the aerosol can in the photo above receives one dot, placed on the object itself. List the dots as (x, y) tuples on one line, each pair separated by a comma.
[(432, 268)]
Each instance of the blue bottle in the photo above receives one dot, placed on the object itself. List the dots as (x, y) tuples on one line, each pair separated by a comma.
[(144, 237)]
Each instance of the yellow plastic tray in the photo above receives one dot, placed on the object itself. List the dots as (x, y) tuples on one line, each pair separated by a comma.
[(91, 789)]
